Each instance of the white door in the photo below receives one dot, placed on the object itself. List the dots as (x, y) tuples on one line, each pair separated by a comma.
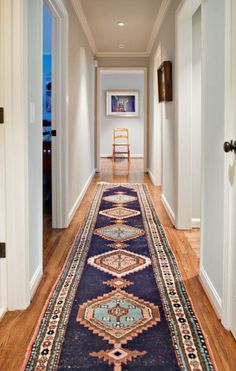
[(229, 298), (232, 173), (3, 303)]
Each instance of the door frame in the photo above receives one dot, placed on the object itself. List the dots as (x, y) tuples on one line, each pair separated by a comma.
[(3, 87), (98, 110), (229, 237), (16, 153), (60, 49), (158, 120), (183, 96)]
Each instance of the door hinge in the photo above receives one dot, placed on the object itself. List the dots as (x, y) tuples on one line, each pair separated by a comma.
[(53, 133), (2, 250), (1, 115)]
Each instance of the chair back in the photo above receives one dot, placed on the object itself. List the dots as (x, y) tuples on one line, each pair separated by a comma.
[(120, 135)]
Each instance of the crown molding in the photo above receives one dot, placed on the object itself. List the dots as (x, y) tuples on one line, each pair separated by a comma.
[(121, 54), (157, 25), (81, 16)]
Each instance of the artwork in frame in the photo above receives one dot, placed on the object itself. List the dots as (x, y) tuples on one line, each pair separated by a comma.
[(122, 103), (164, 75)]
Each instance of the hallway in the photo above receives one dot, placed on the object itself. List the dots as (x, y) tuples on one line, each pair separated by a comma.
[(154, 69), (16, 328)]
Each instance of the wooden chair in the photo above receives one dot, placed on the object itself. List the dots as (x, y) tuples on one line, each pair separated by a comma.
[(121, 139)]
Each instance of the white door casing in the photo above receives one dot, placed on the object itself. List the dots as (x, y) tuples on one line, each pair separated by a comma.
[(3, 273), (14, 16), (229, 263), (183, 94), (60, 32), (157, 123)]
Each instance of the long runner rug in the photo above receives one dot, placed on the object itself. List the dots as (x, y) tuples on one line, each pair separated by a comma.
[(119, 303)]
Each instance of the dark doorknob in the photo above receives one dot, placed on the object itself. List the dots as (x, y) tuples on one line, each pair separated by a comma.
[(230, 146)]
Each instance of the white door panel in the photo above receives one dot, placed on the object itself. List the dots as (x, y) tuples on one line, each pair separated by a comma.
[(232, 174), (229, 294)]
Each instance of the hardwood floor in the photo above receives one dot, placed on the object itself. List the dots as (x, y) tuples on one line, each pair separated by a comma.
[(16, 328)]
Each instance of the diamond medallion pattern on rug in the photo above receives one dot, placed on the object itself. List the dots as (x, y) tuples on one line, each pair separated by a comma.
[(119, 233), (118, 283), (119, 263), (118, 316), (119, 213), (119, 198), (117, 356), (118, 245), (109, 298)]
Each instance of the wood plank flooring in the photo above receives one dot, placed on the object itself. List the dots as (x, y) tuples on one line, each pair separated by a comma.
[(16, 328)]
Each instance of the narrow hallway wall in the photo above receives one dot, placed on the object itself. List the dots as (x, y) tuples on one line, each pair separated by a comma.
[(196, 117), (211, 263), (81, 111), (166, 37)]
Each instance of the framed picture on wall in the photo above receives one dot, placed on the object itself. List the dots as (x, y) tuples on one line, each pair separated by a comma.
[(164, 76), (122, 103)]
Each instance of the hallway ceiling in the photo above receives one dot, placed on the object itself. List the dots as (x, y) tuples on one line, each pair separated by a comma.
[(100, 19)]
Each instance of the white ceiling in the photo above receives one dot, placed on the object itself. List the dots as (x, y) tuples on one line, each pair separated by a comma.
[(99, 19)]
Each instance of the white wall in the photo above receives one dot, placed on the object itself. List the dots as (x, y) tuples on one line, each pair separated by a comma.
[(126, 80), (211, 262), (166, 37), (196, 116), (81, 111)]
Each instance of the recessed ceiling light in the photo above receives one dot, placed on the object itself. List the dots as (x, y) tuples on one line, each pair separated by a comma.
[(121, 24), (121, 46)]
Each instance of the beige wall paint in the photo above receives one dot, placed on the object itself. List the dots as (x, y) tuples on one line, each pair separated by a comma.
[(81, 109), (122, 61)]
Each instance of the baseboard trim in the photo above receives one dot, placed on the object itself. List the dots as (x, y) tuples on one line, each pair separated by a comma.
[(152, 177), (80, 197), (35, 280), (2, 312), (132, 156), (168, 209), (196, 222), (211, 292)]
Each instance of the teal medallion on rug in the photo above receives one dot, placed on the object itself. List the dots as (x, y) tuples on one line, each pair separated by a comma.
[(119, 303)]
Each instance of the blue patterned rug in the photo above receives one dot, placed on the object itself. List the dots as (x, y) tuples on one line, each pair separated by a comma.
[(119, 303)]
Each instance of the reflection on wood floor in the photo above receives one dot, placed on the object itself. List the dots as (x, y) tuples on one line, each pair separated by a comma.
[(16, 328)]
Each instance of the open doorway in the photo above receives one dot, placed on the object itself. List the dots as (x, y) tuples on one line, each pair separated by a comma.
[(55, 113), (47, 117), (121, 104), (189, 120)]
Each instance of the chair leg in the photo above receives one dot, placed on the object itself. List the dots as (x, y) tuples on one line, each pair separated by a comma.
[(128, 154)]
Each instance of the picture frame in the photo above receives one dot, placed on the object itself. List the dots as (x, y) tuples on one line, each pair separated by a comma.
[(122, 103), (164, 77)]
